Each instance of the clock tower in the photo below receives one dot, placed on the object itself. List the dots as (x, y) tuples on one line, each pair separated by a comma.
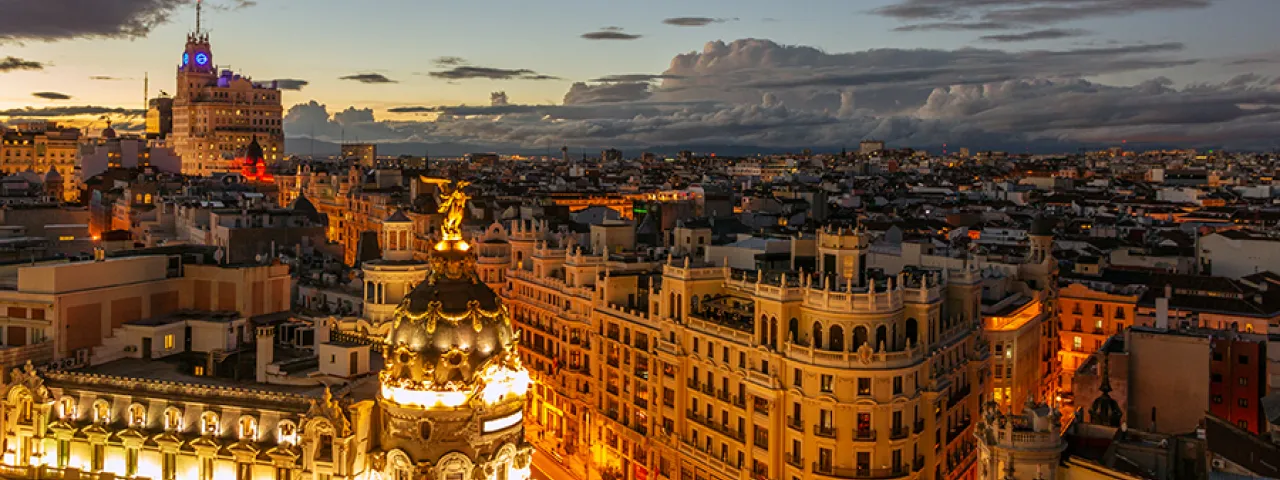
[(196, 68)]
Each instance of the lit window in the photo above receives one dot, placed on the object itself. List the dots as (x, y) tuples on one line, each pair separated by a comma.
[(168, 342), (1076, 343)]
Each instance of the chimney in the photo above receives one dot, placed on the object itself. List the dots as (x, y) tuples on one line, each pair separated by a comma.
[(266, 352), (1162, 313)]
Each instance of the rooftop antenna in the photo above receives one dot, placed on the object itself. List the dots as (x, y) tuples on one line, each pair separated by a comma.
[(199, 4), (146, 90)]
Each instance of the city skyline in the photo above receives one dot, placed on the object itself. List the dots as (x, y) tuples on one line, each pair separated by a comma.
[(911, 72)]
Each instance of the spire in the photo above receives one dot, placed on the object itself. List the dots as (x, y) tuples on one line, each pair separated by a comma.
[(1105, 388), (199, 4)]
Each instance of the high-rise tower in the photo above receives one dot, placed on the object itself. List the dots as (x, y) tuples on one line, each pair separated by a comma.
[(217, 114)]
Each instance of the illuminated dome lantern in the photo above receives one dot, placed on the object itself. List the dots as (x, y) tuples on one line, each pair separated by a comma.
[(452, 388), (253, 166)]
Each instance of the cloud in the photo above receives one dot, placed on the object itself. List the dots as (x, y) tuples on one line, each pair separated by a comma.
[(695, 21), (368, 78), (104, 78), (55, 112), (290, 83), (633, 77), (610, 33), (581, 93), (499, 99), (1027, 11), (467, 72), (10, 64), (51, 96), (449, 61), (1046, 34), (759, 94), (953, 26), (70, 19)]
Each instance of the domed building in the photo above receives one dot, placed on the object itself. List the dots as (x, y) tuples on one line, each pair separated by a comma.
[(453, 388)]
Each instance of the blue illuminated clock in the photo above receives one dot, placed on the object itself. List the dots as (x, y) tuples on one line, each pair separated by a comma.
[(202, 59), (186, 58)]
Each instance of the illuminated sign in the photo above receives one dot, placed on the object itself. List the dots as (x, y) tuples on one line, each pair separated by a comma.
[(66, 238), (503, 423)]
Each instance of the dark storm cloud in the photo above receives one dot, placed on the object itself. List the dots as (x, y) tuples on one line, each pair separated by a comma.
[(368, 78), (633, 77), (610, 33), (290, 83), (1027, 11), (45, 20), (953, 26), (581, 93), (1046, 34), (449, 61), (51, 95), (10, 64), (490, 73), (695, 21), (54, 112)]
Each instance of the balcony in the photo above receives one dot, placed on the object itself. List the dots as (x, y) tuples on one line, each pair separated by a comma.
[(722, 429), (795, 460), (641, 373), (642, 403), (919, 427), (708, 389), (837, 472), (824, 431), (723, 395), (899, 433), (868, 435), (796, 424), (918, 464), (739, 401)]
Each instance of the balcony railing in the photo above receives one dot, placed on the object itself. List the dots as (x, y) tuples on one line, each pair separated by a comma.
[(824, 431), (899, 433), (919, 427), (860, 472), (796, 424), (864, 435)]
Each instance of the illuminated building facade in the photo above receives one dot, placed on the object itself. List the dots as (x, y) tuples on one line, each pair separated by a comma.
[(447, 404), (1024, 446), (253, 167), (38, 147), (680, 370), (217, 114)]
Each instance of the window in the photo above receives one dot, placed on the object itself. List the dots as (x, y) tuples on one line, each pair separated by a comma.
[(99, 457), (1243, 424), (1215, 377), (897, 385), (209, 423), (1243, 402), (172, 419), (797, 378), (1076, 343), (168, 342), (1217, 356), (248, 428), (864, 386), (101, 412), (1244, 360), (1217, 399), (1243, 381), (131, 462), (64, 453), (244, 471), (199, 371), (206, 469), (827, 383), (1097, 310), (1119, 313)]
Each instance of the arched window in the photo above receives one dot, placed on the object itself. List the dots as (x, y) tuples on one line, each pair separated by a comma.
[(773, 331), (817, 335), (835, 342), (173, 419), (101, 412), (859, 337), (882, 337), (764, 330), (287, 433), (67, 408), (209, 423), (248, 428), (137, 416), (912, 331), (793, 329)]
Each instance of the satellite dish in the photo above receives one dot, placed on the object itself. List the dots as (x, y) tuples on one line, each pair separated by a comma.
[(257, 258), (217, 256)]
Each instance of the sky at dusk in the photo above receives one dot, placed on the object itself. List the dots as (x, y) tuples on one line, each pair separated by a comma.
[(510, 75)]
